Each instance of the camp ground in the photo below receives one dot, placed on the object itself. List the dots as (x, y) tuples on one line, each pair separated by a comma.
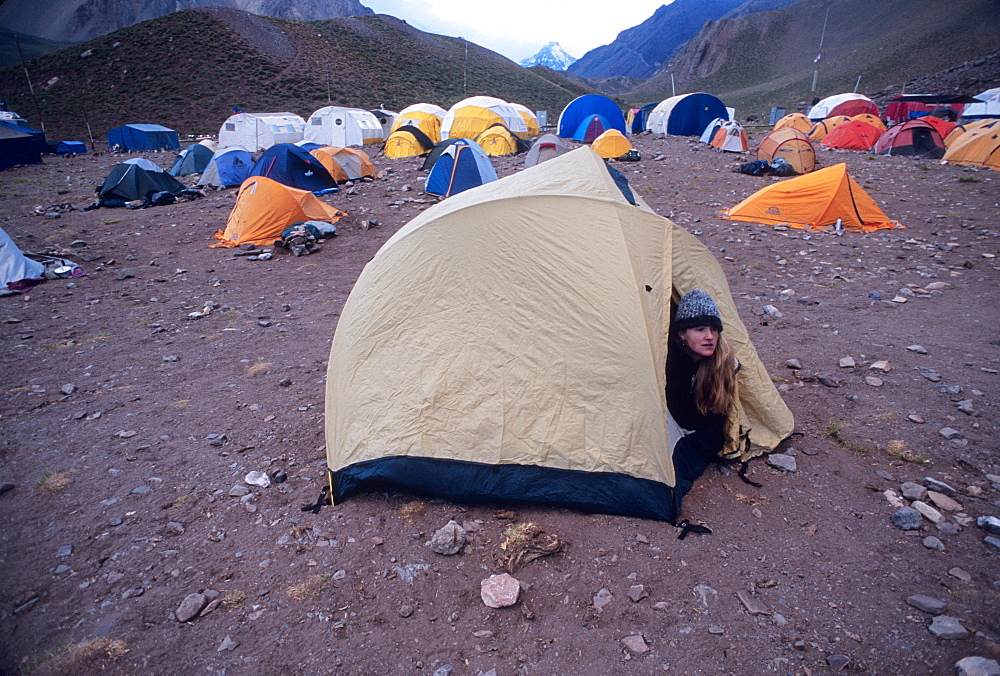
[(587, 117)]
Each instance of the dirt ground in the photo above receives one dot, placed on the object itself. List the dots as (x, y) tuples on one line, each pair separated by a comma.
[(126, 425)]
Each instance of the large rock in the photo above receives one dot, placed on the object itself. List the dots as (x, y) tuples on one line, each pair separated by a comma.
[(913, 491), (190, 607), (907, 518), (927, 511), (977, 666), (499, 591), (948, 627), (781, 461), (447, 540), (990, 524)]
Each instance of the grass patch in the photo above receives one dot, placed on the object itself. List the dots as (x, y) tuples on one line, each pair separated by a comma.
[(969, 179), (834, 432), (898, 450), (92, 656), (412, 509), (300, 591), (55, 482), (234, 599), (517, 535), (258, 369)]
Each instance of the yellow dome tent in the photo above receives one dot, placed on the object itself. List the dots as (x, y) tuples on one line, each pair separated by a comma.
[(407, 141), (497, 141), (345, 164), (610, 144), (530, 121), (796, 121), (265, 207), (868, 118), (824, 127), (978, 148), (815, 201), (424, 116), (792, 145)]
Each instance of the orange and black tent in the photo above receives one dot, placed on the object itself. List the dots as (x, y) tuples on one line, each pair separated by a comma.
[(265, 207), (825, 198), (344, 164)]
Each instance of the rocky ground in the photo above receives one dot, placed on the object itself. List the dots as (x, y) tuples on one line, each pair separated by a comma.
[(131, 539)]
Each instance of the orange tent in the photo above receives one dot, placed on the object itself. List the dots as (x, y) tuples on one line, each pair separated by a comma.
[(824, 127), (852, 135), (791, 144), (611, 144), (978, 148), (971, 125), (868, 118), (795, 121), (815, 201), (265, 207), (942, 125), (344, 164)]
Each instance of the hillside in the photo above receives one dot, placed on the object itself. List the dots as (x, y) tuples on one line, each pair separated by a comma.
[(766, 59), (178, 70), (31, 47)]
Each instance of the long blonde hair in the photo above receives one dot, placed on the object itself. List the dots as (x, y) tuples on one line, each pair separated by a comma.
[(715, 381)]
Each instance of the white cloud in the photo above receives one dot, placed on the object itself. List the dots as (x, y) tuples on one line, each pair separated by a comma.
[(518, 28)]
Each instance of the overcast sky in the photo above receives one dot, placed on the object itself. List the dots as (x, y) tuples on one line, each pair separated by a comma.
[(519, 28)]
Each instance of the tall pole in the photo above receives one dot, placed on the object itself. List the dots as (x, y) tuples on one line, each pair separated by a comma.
[(857, 84), (673, 90), (31, 88), (465, 67), (820, 54)]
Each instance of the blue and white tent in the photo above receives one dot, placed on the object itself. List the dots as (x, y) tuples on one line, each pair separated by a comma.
[(192, 160), (134, 137), (290, 165), (686, 114), (461, 166), (228, 168), (575, 117)]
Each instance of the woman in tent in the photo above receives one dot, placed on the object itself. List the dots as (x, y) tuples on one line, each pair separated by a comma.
[(701, 387)]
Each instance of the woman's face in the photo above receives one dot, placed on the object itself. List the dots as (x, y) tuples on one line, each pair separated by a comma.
[(699, 341)]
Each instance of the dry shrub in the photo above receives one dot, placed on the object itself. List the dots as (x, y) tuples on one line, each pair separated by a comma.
[(258, 369), (300, 591), (89, 657), (55, 482), (897, 449), (411, 510)]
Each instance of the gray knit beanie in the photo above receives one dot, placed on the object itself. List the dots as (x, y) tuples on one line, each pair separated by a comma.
[(697, 309)]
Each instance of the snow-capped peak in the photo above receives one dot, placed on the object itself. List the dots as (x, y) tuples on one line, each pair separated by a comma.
[(551, 55)]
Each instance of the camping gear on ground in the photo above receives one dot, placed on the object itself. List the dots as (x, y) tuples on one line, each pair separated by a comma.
[(530, 121), (345, 164), (300, 239), (472, 116), (228, 167), (977, 148), (260, 131), (686, 114), (527, 361), (796, 121), (611, 144), (290, 165), (17, 147), (755, 168), (913, 138), (264, 208), (340, 127), (137, 137), (426, 117), (791, 144), (824, 127), (631, 156), (407, 141), (497, 140), (842, 104), (852, 135), (730, 137), (70, 148), (545, 148), (781, 167), (135, 179), (825, 198), (587, 117), (462, 165), (192, 160)]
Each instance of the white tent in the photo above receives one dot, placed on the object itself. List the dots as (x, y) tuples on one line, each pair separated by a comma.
[(341, 127), (822, 109), (990, 106), (260, 131), (472, 116), (713, 126), (14, 265)]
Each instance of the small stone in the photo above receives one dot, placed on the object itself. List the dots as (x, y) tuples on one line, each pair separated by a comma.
[(447, 540), (948, 627), (946, 528), (25, 607), (990, 524), (637, 592), (285, 382), (127, 273), (716, 629), (793, 364), (444, 670), (636, 644), (114, 521), (894, 500), (60, 569), (190, 607), (992, 541), (499, 591), (965, 406), (131, 593), (919, 349), (68, 389), (782, 461), (602, 598), (977, 666), (907, 518), (928, 604), (942, 501), (227, 644), (914, 418), (881, 365), (238, 491), (950, 433), (828, 381), (752, 605), (405, 610), (141, 490), (882, 474), (873, 381), (932, 542), (847, 362), (64, 551), (175, 528), (279, 476), (939, 486), (962, 575), (838, 662), (256, 478), (913, 491), (927, 511)]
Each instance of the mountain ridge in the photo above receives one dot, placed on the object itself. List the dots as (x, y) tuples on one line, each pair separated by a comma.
[(552, 56)]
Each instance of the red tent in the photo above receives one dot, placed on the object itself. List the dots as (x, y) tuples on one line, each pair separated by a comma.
[(853, 135), (854, 107)]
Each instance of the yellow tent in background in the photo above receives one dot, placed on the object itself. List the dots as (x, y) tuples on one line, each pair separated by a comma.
[(796, 121), (345, 164), (815, 201), (824, 127), (961, 129), (530, 121), (424, 116), (978, 148), (868, 118), (791, 144), (497, 140), (610, 144), (407, 141), (265, 207), (472, 116)]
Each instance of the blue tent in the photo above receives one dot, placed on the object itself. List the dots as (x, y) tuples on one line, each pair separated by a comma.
[(686, 114), (461, 166), (640, 117), (192, 160), (228, 167), (17, 147), (37, 137), (71, 148), (590, 128), (133, 137), (583, 107), (290, 165)]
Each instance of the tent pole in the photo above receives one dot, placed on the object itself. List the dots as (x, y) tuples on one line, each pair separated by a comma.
[(90, 133), (857, 84)]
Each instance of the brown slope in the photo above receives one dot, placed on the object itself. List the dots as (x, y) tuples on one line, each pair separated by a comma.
[(766, 59), (180, 71)]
